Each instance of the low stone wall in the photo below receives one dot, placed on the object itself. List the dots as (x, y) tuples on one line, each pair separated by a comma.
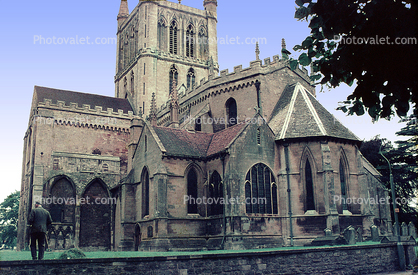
[(365, 259)]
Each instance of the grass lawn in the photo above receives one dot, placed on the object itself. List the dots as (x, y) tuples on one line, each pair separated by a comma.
[(11, 255)]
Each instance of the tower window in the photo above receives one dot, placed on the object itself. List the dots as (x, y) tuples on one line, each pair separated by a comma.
[(190, 41), (162, 35), (191, 78), (173, 37), (203, 44), (173, 75)]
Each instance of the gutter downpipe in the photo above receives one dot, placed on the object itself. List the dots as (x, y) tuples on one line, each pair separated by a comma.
[(224, 205), (286, 155)]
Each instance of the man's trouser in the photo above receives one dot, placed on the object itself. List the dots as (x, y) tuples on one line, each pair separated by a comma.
[(40, 238)]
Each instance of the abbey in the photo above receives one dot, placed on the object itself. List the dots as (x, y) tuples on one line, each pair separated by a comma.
[(185, 157)]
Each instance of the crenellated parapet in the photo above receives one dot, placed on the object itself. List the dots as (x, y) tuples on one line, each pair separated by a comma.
[(227, 81), (71, 114)]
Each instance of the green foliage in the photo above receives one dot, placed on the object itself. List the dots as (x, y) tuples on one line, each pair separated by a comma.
[(404, 162), (73, 253), (355, 41), (9, 212)]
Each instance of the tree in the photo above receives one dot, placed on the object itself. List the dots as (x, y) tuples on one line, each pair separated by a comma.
[(403, 159), (9, 212), (368, 42)]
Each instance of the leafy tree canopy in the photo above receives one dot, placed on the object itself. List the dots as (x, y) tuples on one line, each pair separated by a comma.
[(9, 212), (368, 42), (404, 161)]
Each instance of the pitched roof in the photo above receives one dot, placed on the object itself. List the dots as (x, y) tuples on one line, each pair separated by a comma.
[(298, 114), (182, 143), (42, 93)]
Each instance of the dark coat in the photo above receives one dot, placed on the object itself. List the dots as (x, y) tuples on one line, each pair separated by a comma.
[(40, 219)]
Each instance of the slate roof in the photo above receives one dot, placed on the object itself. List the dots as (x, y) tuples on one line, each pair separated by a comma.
[(182, 143), (298, 114), (42, 93)]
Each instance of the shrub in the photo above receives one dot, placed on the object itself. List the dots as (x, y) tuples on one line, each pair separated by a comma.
[(73, 253)]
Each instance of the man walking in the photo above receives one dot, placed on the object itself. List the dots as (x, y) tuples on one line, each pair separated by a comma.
[(39, 219)]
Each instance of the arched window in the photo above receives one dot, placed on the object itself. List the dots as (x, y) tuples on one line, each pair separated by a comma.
[(343, 186), (192, 191), (173, 74), (62, 212), (261, 190), (190, 41), (216, 193), (231, 112), (173, 37), (145, 192), (162, 29), (190, 78), (95, 217), (198, 124), (310, 202), (203, 44)]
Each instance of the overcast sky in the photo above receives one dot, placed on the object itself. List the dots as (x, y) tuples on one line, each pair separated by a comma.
[(27, 60)]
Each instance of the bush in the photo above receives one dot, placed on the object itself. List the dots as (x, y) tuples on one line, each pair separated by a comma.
[(73, 253)]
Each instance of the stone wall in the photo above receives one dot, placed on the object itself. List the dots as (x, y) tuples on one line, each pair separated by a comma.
[(338, 260)]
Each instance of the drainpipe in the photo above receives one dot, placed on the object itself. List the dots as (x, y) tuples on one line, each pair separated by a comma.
[(286, 155), (224, 205)]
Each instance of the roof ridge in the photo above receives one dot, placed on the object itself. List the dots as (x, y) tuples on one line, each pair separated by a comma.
[(311, 108), (84, 93), (335, 118), (289, 113)]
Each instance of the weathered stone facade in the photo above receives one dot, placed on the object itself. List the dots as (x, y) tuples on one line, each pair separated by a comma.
[(343, 260), (254, 135)]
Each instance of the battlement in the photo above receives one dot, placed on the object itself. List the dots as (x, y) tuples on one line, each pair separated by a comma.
[(85, 109), (257, 67)]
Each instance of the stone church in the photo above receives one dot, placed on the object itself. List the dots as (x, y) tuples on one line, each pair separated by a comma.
[(185, 157)]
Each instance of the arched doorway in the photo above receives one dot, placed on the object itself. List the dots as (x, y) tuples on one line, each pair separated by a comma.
[(137, 237), (95, 217)]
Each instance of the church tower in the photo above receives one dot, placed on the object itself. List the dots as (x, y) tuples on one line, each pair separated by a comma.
[(162, 41)]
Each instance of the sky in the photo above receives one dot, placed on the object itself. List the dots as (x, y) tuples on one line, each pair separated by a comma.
[(29, 57)]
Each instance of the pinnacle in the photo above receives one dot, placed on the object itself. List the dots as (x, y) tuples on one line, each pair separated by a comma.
[(123, 10)]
